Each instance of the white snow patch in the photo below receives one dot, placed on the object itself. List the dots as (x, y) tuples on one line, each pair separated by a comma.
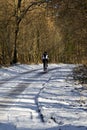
[(33, 100)]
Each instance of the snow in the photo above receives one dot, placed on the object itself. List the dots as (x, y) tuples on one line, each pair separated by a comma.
[(31, 99)]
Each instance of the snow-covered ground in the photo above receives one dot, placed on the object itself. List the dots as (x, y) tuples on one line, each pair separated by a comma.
[(33, 100)]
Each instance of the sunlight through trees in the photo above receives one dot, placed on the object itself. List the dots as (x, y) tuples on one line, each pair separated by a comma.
[(27, 28)]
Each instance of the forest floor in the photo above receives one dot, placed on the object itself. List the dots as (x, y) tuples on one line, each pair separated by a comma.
[(80, 74)]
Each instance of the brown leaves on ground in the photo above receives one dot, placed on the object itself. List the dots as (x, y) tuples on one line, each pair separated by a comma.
[(80, 74)]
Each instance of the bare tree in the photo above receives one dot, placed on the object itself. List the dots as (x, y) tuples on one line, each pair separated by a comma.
[(20, 12)]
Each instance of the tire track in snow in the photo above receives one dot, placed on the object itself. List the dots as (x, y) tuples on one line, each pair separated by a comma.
[(44, 85)]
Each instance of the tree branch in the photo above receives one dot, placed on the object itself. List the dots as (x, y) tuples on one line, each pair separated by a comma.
[(29, 7)]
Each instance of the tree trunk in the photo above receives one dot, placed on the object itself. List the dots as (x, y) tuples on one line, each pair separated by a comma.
[(15, 58)]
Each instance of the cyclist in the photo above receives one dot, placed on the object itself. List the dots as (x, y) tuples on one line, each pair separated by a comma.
[(45, 60)]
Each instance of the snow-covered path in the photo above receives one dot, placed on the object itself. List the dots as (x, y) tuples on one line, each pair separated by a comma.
[(31, 99)]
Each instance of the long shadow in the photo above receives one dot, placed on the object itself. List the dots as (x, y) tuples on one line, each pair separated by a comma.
[(18, 89), (7, 126), (10, 126), (2, 81), (20, 105), (13, 93), (49, 69), (52, 69), (12, 70), (59, 127)]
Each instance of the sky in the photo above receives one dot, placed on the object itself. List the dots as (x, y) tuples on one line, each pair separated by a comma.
[(31, 99)]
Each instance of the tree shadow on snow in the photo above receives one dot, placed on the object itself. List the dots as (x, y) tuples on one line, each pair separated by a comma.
[(7, 126), (63, 127)]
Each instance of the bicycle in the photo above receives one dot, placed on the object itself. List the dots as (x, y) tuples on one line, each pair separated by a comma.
[(45, 65)]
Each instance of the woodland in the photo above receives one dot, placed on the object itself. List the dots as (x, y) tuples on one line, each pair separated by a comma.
[(30, 27)]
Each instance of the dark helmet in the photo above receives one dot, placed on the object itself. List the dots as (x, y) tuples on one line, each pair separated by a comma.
[(45, 52)]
